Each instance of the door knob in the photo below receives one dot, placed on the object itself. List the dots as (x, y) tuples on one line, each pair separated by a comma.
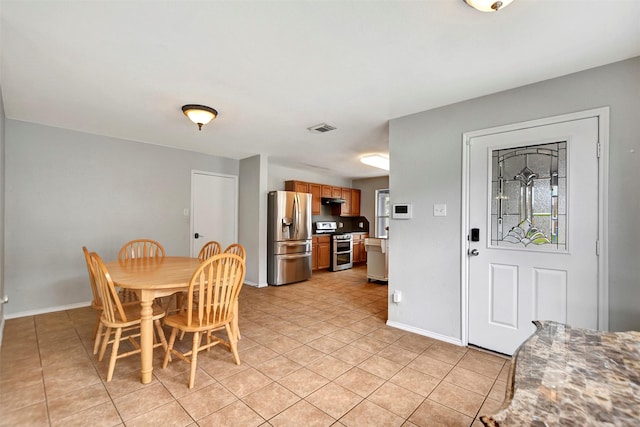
[(473, 252), (198, 235)]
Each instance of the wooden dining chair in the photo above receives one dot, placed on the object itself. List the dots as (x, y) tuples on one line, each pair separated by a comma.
[(238, 249), (211, 298), (121, 319), (141, 248), (96, 304), (209, 249)]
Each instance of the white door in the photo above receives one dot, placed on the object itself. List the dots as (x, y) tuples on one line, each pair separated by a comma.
[(533, 198), (214, 210)]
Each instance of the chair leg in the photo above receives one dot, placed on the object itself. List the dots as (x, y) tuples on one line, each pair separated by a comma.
[(236, 315), (233, 342), (96, 339), (105, 342), (163, 340), (114, 353), (167, 354), (194, 358), (95, 328)]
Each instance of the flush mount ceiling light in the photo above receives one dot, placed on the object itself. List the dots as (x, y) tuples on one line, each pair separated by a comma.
[(199, 114), (488, 5), (376, 160)]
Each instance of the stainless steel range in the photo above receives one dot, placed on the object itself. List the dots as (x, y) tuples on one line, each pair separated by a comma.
[(341, 257), (341, 252)]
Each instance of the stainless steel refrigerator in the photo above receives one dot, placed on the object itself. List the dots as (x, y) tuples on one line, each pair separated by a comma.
[(288, 237)]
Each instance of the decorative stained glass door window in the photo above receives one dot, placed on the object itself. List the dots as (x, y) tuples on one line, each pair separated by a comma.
[(528, 205)]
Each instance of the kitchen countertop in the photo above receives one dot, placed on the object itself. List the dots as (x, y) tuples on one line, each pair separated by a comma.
[(345, 232), (569, 376)]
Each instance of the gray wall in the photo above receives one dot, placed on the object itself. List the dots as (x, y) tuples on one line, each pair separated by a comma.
[(426, 165), (252, 222), (368, 187), (66, 189)]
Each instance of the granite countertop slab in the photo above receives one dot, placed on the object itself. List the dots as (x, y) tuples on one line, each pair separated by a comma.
[(564, 376)]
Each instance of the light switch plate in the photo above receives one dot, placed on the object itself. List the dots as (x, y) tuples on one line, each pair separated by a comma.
[(440, 210)]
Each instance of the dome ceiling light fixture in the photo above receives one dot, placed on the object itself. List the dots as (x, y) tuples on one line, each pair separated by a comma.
[(199, 114), (488, 5)]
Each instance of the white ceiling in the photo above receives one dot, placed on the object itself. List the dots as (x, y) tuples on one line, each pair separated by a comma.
[(274, 68)]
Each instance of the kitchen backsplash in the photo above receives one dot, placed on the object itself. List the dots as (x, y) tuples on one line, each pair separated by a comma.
[(349, 225)]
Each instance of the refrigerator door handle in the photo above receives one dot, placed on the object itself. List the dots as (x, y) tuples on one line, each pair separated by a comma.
[(295, 256), (296, 215)]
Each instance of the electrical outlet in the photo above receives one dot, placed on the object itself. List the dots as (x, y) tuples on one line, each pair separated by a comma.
[(397, 296)]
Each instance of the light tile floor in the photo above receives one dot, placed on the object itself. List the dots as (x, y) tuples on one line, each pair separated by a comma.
[(316, 353)]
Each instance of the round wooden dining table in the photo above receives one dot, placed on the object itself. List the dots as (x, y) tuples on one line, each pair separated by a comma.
[(151, 278)]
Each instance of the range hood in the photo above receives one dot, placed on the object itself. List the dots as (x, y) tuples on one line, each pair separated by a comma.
[(333, 201)]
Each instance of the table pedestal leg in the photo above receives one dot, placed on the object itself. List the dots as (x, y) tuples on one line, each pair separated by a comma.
[(146, 336)]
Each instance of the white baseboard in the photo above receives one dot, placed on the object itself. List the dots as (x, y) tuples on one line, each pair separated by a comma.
[(256, 285), (47, 310), (425, 333)]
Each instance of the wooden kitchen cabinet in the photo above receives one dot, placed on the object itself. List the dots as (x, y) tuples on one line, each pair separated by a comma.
[(359, 251), (314, 253), (355, 202), (324, 252), (297, 186), (316, 198), (320, 252), (307, 187), (346, 206), (351, 207)]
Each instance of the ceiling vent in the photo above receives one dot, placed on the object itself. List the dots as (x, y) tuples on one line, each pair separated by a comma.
[(321, 128)]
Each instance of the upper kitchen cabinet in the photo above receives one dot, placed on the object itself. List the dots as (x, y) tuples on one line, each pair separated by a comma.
[(351, 196), (351, 206), (297, 186), (355, 202), (316, 198), (346, 206), (307, 187)]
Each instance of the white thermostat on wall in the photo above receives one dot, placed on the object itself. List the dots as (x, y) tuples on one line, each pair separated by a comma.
[(401, 211)]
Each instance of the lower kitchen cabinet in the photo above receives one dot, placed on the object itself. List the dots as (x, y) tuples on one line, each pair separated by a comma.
[(324, 252), (320, 252), (314, 253), (359, 252)]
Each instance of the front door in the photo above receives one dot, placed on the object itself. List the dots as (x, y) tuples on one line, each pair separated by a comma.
[(214, 210), (533, 217)]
